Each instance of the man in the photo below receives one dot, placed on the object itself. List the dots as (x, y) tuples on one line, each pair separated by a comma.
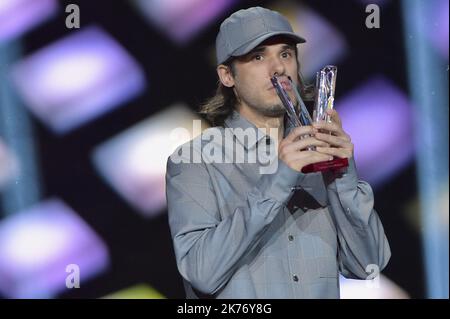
[(242, 232)]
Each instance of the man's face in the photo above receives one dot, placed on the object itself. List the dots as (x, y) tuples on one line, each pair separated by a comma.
[(254, 70)]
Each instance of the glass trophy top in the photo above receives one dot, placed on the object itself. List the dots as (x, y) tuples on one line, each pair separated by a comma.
[(324, 95), (298, 114)]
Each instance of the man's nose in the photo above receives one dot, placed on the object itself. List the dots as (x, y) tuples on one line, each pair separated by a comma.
[(277, 67)]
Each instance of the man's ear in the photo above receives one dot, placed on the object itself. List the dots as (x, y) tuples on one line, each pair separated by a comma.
[(225, 75)]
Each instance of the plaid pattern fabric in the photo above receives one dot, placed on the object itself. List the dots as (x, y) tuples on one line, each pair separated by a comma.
[(238, 233)]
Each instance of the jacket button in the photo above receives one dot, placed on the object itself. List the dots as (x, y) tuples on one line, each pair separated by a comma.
[(295, 278), (291, 238)]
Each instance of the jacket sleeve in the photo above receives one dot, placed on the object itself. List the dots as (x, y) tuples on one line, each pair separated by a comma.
[(363, 246), (207, 247)]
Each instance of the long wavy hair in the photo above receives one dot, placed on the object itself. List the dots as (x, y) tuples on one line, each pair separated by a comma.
[(218, 107)]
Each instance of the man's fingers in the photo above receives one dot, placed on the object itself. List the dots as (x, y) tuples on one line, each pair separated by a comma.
[(331, 139), (298, 160), (338, 152), (303, 144), (309, 157), (334, 128), (298, 131)]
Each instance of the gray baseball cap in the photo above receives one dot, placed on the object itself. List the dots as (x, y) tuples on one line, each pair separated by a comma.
[(245, 29)]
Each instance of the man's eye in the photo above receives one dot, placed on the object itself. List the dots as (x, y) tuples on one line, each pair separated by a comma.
[(286, 54), (257, 57)]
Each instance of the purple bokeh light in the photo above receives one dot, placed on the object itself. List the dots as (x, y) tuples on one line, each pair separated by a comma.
[(37, 245), (324, 44), (134, 161), (77, 79), (379, 119), (19, 16), (438, 28), (181, 20)]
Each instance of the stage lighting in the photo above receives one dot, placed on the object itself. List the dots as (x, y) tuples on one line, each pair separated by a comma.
[(181, 20), (140, 291), (134, 162), (324, 44), (380, 287), (379, 119), (38, 244), (19, 16), (77, 79), (437, 17)]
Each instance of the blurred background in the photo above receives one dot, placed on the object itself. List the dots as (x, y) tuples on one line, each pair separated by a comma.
[(87, 119)]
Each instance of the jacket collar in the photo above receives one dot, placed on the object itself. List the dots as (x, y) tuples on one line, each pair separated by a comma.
[(236, 120)]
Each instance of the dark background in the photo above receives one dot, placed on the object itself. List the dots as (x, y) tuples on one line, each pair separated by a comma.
[(141, 249)]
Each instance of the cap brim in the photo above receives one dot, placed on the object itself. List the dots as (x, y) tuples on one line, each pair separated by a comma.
[(246, 48)]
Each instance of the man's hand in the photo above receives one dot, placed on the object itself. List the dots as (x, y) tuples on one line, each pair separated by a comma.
[(293, 149), (340, 144)]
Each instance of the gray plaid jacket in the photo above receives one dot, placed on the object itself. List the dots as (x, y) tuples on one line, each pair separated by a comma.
[(238, 233)]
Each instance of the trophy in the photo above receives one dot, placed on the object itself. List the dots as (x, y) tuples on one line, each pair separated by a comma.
[(324, 99)]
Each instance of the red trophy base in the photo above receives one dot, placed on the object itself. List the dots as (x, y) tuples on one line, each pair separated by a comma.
[(335, 164)]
